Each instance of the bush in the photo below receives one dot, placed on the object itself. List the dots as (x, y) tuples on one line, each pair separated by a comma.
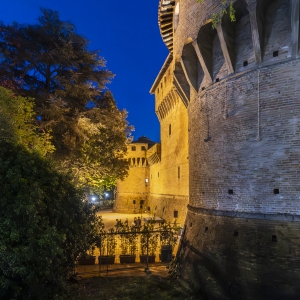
[(44, 225)]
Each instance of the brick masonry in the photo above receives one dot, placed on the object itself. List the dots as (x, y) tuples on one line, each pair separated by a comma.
[(241, 238), (134, 187)]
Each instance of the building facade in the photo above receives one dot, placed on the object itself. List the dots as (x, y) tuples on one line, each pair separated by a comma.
[(240, 84), (164, 165), (134, 189)]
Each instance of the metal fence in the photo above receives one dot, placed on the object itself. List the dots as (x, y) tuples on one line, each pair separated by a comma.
[(128, 250)]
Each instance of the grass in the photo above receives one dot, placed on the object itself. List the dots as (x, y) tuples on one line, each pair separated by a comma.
[(152, 287)]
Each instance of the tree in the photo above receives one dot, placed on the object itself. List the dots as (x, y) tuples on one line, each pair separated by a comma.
[(104, 145), (50, 62), (226, 8), (44, 225), (17, 123)]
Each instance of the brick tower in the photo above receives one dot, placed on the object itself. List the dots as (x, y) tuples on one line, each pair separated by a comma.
[(134, 189), (240, 82)]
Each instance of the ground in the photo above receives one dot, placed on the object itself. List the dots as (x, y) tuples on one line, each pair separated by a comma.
[(127, 284), (150, 287)]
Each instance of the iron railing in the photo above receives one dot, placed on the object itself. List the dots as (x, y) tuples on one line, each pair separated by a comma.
[(131, 249)]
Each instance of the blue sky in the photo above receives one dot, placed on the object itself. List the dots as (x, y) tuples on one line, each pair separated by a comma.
[(126, 33)]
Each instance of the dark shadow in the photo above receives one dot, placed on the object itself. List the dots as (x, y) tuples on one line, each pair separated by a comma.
[(192, 66), (181, 84)]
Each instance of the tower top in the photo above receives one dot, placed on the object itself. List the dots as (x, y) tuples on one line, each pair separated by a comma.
[(144, 140)]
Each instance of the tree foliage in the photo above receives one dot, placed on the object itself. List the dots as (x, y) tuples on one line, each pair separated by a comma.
[(99, 159), (44, 225), (226, 8), (50, 62), (17, 123)]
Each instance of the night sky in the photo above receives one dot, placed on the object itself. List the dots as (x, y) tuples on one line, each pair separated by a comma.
[(127, 35)]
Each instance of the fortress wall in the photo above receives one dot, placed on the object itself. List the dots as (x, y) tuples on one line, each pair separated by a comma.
[(241, 238), (226, 257), (174, 175), (169, 179), (251, 116), (132, 188), (164, 206), (254, 149)]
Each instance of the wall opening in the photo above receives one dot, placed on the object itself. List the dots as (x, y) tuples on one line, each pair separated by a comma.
[(275, 28), (205, 42), (192, 66), (181, 84)]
